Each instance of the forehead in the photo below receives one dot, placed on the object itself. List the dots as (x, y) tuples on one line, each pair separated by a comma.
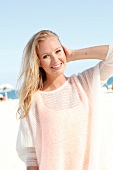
[(50, 42)]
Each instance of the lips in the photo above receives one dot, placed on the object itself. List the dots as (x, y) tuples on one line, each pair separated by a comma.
[(56, 67)]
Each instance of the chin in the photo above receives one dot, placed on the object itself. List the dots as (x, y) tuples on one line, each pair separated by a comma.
[(58, 73)]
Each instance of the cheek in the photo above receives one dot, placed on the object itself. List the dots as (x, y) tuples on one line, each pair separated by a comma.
[(44, 63)]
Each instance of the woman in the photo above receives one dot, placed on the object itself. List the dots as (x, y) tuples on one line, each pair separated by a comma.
[(59, 126)]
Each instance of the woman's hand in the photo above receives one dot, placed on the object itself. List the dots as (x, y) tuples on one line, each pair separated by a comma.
[(68, 53)]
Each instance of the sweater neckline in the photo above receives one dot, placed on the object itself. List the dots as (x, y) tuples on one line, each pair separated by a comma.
[(56, 90)]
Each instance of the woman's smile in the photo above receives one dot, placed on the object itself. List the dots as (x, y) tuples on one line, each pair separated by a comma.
[(57, 67)]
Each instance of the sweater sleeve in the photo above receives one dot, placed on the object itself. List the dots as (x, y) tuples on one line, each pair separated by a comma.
[(106, 66), (25, 143), (91, 81)]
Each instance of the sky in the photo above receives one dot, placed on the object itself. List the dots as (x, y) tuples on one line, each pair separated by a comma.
[(79, 24)]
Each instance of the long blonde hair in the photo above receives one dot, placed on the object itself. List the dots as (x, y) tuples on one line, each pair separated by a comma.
[(31, 76)]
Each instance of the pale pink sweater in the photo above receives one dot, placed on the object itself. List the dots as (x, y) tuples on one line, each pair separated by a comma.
[(63, 128)]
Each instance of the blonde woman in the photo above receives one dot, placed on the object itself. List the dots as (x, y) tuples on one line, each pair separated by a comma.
[(59, 115)]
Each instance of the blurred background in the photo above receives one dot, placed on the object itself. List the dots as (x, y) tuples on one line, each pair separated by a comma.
[(79, 24)]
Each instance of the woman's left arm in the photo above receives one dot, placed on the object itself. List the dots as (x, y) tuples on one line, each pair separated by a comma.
[(103, 53), (95, 52)]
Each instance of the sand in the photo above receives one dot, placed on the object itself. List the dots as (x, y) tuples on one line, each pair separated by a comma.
[(9, 127), (8, 133)]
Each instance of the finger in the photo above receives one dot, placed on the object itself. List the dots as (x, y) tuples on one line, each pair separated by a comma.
[(66, 51)]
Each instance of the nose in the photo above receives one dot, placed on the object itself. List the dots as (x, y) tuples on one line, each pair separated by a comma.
[(54, 59)]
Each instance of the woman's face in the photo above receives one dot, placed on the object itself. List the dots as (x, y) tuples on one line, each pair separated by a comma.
[(52, 57)]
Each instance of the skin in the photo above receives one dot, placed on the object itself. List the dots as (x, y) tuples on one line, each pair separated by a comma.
[(53, 61), (96, 52)]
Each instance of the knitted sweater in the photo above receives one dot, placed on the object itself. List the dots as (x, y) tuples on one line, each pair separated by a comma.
[(63, 128)]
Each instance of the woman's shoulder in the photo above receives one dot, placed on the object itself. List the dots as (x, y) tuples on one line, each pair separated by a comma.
[(34, 96), (74, 78), (84, 78)]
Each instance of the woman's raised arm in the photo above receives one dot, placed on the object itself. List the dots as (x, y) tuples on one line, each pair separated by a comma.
[(95, 52)]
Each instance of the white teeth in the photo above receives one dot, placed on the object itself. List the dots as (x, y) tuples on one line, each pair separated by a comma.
[(56, 66)]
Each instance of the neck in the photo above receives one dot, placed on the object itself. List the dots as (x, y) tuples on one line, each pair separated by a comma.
[(52, 84)]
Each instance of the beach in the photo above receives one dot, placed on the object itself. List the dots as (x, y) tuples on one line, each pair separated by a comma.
[(8, 132), (9, 159)]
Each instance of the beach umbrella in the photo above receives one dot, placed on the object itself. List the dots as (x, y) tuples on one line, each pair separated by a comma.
[(6, 87), (109, 83)]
